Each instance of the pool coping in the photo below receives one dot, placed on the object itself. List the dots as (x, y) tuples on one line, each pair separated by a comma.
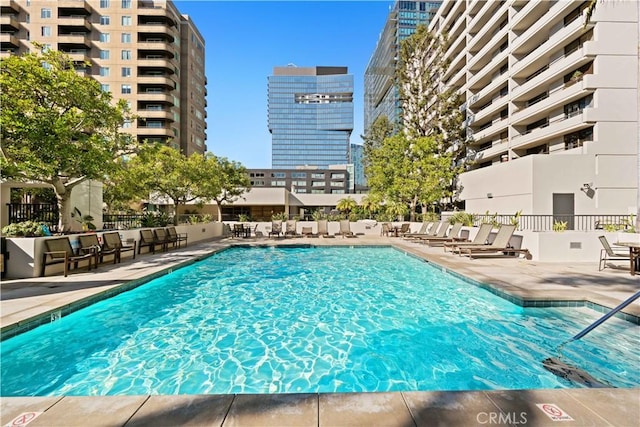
[(511, 295)]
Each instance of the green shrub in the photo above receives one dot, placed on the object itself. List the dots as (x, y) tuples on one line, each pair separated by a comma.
[(560, 226), (23, 229), (467, 219)]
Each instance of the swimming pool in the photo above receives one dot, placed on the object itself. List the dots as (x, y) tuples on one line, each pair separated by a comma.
[(283, 320)]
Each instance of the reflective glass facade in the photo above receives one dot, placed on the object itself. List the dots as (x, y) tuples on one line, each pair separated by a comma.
[(310, 115), (381, 96)]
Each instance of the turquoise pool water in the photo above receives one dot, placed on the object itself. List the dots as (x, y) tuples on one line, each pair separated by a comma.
[(282, 320)]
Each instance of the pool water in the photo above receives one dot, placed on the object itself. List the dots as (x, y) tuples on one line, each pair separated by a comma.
[(326, 319)]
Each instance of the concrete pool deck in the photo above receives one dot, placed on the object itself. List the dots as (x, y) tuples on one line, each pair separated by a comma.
[(22, 300)]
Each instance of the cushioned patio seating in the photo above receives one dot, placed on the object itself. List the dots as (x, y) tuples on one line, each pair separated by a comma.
[(480, 238)]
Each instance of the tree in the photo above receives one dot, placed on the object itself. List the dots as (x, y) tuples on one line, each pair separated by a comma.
[(230, 182), (371, 203), (380, 129), (57, 126), (346, 205), (429, 107)]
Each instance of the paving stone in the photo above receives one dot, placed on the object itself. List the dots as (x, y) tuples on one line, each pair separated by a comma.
[(11, 407), (364, 409), (94, 411), (620, 407), (277, 410), (182, 410)]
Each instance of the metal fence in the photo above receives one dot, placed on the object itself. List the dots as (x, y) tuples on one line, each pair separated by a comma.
[(38, 212), (573, 222), (121, 221)]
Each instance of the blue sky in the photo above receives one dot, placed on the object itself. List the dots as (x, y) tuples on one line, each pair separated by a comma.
[(246, 39)]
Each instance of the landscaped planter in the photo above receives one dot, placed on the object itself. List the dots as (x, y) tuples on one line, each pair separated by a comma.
[(25, 253)]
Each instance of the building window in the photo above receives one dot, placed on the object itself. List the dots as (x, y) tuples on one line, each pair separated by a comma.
[(105, 37), (257, 183), (105, 20), (45, 32), (126, 124), (104, 71), (104, 4), (577, 139), (278, 175), (126, 54), (105, 87), (337, 176), (125, 37), (45, 13), (126, 71), (298, 174), (317, 183), (125, 89), (317, 175), (337, 191), (126, 4), (278, 183), (104, 54), (126, 20)]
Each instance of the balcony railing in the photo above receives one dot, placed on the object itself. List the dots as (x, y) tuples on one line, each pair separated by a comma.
[(546, 222)]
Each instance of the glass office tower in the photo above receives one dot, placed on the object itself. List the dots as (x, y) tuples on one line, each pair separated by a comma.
[(381, 97), (310, 115)]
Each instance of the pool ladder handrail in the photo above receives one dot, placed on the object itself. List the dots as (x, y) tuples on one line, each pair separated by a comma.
[(601, 320)]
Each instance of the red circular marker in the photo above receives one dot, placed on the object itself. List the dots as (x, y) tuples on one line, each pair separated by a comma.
[(23, 419), (549, 409)]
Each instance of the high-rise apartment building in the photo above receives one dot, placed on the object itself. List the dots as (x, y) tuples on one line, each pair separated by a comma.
[(381, 97), (310, 116), (552, 104), (142, 51), (356, 157)]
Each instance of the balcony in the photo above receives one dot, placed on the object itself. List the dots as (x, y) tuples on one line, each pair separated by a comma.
[(79, 55), (498, 148), (554, 130), (542, 54), (497, 104), (480, 18), (479, 60), (556, 69), (155, 115), (156, 97), (156, 81), (9, 23), (10, 6), (152, 12), (555, 100), (80, 39), (485, 132), (9, 41), (540, 28), (519, 23), (73, 24), (488, 90), (154, 62), (483, 34)]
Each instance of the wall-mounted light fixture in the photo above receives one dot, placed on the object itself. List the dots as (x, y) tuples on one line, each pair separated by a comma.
[(586, 187)]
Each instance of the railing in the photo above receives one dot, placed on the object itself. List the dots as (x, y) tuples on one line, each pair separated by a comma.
[(546, 222), (38, 212), (121, 221)]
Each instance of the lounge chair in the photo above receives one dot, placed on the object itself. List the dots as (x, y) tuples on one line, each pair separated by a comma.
[(112, 241), (608, 254), (432, 232), (440, 233), (499, 244), (89, 244), (452, 236), (58, 251), (175, 237), (404, 229), (290, 229), (276, 228), (422, 231), (345, 228), (323, 228), (480, 238)]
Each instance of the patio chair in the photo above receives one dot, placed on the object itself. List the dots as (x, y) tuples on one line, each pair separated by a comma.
[(452, 236), (431, 232), (386, 229), (149, 239), (323, 228), (480, 238), (608, 254), (345, 228), (499, 244), (404, 229), (89, 243), (276, 228), (112, 241), (290, 229), (162, 238), (59, 250), (175, 237), (238, 230)]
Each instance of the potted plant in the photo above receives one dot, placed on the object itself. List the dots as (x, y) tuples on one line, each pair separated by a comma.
[(559, 226), (85, 220)]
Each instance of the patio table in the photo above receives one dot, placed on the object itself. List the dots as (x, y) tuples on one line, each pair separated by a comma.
[(634, 255)]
